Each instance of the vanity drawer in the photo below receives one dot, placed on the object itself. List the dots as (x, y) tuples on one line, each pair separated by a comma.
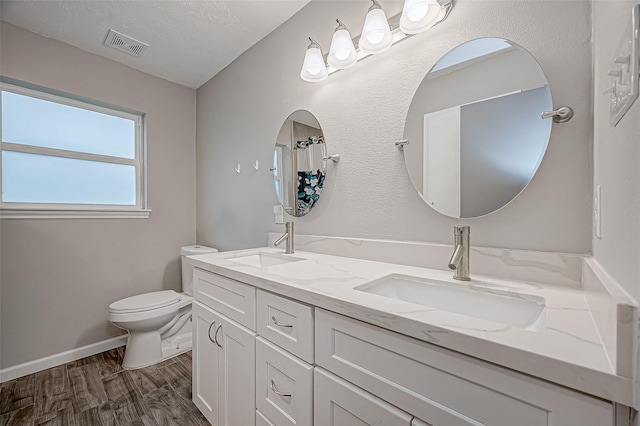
[(286, 323), (231, 298), (339, 403), (442, 387), (280, 372)]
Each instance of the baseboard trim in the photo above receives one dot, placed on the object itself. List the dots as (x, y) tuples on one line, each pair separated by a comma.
[(36, 365)]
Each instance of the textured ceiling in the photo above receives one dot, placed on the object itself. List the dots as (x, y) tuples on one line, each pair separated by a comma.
[(190, 41)]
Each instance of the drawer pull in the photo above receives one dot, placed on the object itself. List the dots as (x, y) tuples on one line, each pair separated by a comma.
[(275, 321), (216, 336), (275, 390), (209, 332)]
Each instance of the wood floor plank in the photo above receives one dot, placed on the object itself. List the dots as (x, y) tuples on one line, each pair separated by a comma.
[(64, 417), (167, 409), (18, 393), (124, 398), (96, 391), (88, 389), (53, 391), (110, 362), (97, 416), (84, 361), (164, 408), (179, 377), (196, 415), (185, 357), (148, 379), (20, 417), (186, 360)]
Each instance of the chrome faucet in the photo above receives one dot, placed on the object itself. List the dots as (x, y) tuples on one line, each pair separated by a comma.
[(460, 259), (288, 235)]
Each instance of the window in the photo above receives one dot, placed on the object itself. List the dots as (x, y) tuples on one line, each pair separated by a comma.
[(63, 157)]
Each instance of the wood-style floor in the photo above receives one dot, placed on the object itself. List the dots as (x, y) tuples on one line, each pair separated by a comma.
[(97, 391)]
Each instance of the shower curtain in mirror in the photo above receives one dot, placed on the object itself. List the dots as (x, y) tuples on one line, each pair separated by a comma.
[(310, 154)]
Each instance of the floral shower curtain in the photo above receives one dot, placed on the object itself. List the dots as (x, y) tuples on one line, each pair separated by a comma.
[(310, 154)]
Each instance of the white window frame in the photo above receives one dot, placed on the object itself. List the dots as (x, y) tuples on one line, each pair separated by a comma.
[(13, 210)]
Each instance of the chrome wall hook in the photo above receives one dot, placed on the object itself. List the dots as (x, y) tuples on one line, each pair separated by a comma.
[(335, 158), (402, 143), (561, 115)]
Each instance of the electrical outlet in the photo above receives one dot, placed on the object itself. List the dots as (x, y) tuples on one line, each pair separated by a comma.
[(597, 211), (278, 212)]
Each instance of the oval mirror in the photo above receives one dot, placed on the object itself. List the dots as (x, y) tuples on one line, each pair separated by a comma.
[(298, 163), (474, 130)]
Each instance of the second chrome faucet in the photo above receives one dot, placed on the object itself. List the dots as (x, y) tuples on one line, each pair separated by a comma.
[(460, 259), (288, 235)]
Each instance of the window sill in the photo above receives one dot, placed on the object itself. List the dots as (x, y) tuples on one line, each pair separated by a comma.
[(7, 213)]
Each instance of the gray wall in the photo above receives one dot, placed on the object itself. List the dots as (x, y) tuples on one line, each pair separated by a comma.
[(60, 275), (362, 112), (616, 155)]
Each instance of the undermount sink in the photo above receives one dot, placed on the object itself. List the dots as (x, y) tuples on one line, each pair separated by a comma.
[(515, 310), (263, 260)]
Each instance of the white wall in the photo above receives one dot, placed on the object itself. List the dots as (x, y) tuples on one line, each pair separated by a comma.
[(59, 276), (362, 112), (616, 155)]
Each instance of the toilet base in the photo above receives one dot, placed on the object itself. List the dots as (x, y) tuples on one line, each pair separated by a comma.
[(146, 349)]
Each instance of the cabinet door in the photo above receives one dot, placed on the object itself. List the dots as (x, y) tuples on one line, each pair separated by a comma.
[(339, 403), (261, 419), (206, 359), (238, 374)]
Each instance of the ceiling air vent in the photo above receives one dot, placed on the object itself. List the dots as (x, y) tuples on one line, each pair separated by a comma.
[(125, 43)]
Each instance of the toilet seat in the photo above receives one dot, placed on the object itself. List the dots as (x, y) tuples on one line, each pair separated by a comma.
[(145, 302)]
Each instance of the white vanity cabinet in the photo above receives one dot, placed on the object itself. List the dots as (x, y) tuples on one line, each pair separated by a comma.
[(444, 388), (261, 359), (223, 351)]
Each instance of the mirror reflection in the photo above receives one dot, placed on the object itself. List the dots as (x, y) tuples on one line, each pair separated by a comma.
[(298, 163), (475, 133)]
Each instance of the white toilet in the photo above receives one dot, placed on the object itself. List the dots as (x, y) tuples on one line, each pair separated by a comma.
[(159, 323)]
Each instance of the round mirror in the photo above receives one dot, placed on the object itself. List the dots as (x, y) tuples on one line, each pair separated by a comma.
[(298, 163), (474, 130)]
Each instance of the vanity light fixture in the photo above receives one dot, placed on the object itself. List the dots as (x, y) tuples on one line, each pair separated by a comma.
[(342, 53), (378, 34), (313, 67), (420, 15)]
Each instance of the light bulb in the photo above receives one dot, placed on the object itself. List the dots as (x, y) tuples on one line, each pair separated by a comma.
[(418, 12), (313, 67), (376, 34), (419, 15), (342, 53)]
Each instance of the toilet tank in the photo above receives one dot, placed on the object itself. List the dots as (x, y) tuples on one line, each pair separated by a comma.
[(187, 269)]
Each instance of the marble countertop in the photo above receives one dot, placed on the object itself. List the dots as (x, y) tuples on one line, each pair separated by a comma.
[(567, 350)]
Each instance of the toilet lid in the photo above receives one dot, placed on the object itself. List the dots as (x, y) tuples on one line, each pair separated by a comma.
[(146, 301)]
